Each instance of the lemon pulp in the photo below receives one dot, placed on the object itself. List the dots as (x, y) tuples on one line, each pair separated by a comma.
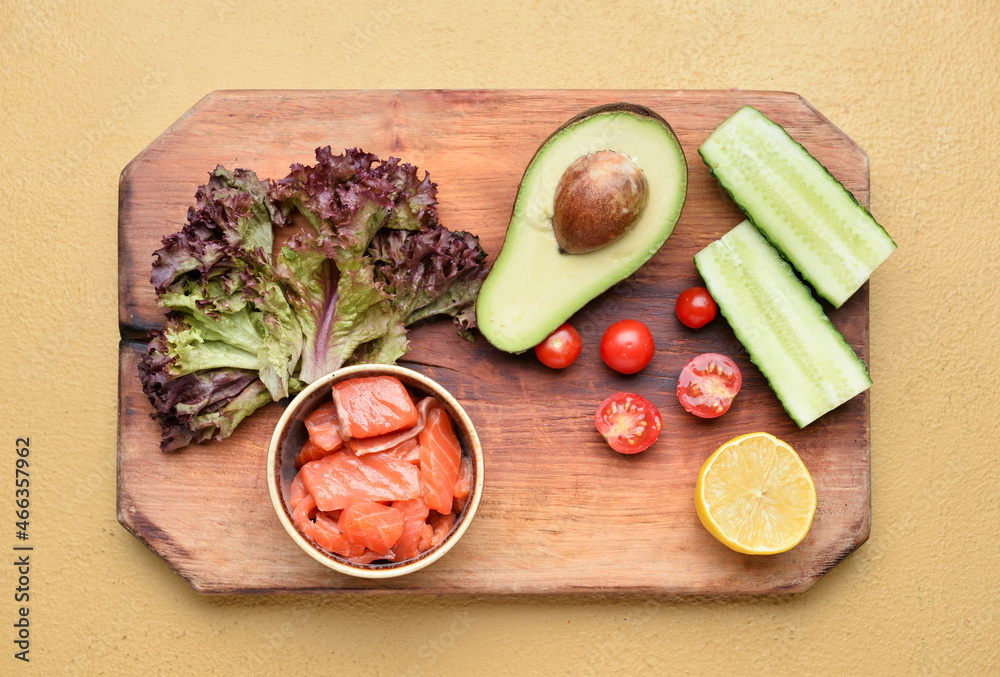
[(755, 495)]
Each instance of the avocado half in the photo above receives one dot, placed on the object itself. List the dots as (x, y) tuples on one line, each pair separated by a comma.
[(533, 286)]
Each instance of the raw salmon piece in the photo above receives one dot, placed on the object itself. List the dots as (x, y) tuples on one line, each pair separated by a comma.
[(426, 533), (324, 428), (463, 485), (415, 513), (408, 451), (310, 452), (372, 525), (329, 536), (297, 491), (373, 405), (335, 481), (440, 454), (303, 512), (366, 557), (325, 531), (369, 445), (442, 525)]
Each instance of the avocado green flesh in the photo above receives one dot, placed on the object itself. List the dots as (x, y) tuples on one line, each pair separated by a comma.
[(533, 287), (810, 366), (805, 212)]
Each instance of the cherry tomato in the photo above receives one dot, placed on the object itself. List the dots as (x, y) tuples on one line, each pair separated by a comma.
[(695, 307), (708, 384), (627, 346), (629, 423), (561, 348)]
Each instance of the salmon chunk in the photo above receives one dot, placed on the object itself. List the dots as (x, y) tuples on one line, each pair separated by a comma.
[(440, 455), (379, 478), (324, 427), (335, 481), (373, 405), (372, 525)]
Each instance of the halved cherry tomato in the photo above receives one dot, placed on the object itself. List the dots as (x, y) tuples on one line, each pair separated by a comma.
[(695, 307), (708, 384), (627, 346), (561, 348), (629, 423)]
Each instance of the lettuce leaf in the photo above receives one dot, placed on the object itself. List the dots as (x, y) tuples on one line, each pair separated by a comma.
[(246, 325), (184, 404), (328, 276), (430, 272), (338, 304), (230, 228), (332, 192), (216, 276)]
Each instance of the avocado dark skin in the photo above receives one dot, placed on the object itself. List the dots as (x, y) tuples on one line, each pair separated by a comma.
[(535, 284), (599, 197)]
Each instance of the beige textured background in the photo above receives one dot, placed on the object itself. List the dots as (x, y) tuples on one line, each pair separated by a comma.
[(85, 86)]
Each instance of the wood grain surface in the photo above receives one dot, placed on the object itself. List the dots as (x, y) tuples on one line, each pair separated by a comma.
[(561, 513)]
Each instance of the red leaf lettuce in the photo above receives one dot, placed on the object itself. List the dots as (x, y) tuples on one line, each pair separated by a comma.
[(246, 326)]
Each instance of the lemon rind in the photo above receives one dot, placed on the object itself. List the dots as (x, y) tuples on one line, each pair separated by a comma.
[(705, 516)]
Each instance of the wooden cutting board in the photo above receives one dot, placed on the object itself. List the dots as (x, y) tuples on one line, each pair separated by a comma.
[(561, 512)]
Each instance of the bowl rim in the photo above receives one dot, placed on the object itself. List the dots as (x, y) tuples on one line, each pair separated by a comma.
[(382, 571)]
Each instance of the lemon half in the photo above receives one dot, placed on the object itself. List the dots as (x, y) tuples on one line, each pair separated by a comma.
[(755, 495)]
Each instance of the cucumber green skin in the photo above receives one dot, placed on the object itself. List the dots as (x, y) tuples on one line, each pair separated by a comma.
[(785, 254), (812, 307)]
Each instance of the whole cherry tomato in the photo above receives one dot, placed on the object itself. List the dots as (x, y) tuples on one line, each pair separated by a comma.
[(695, 307), (627, 346), (561, 348)]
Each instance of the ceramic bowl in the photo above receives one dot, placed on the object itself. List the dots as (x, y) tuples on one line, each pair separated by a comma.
[(290, 434)]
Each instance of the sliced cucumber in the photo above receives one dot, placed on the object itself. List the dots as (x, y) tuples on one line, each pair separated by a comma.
[(806, 360), (806, 213)]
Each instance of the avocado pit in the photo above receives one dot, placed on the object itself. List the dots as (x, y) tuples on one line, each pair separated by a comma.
[(599, 198), (534, 286)]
